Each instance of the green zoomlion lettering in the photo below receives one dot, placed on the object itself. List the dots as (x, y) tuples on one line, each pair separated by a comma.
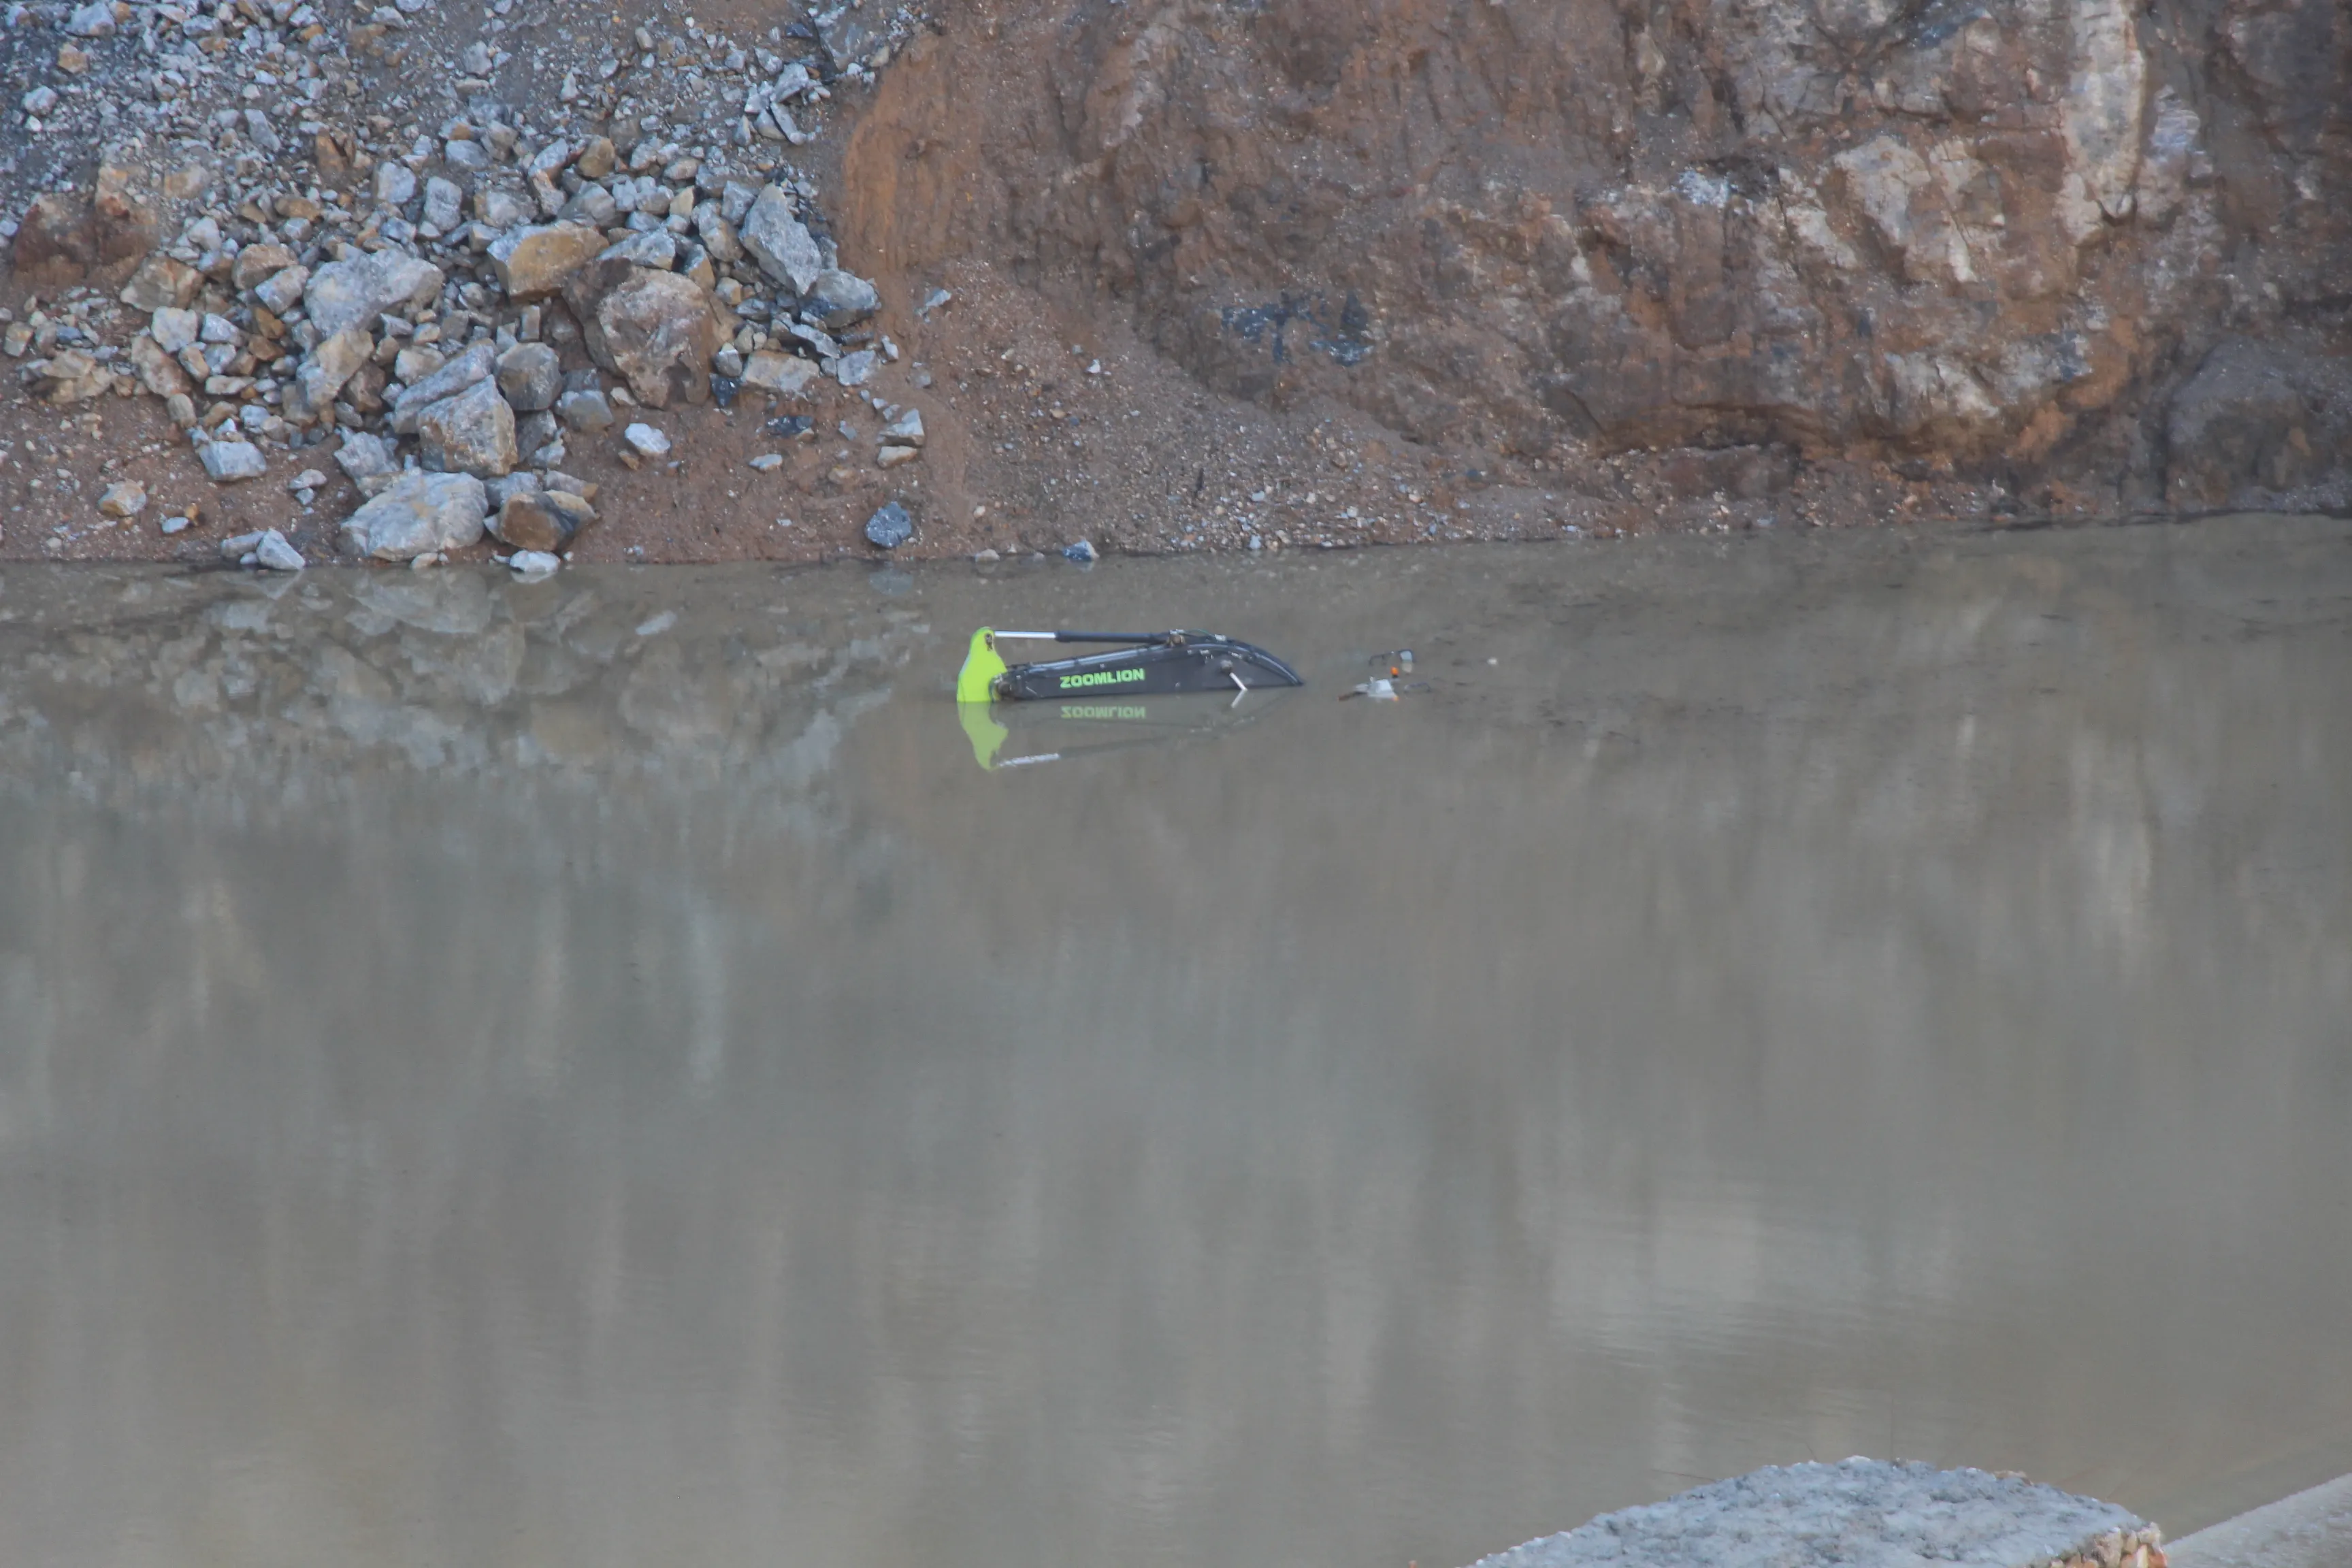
[(1100, 678), (1122, 710)]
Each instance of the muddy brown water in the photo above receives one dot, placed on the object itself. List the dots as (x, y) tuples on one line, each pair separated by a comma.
[(594, 1072)]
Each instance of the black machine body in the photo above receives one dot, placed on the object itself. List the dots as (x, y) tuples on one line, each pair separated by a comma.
[(1158, 664)]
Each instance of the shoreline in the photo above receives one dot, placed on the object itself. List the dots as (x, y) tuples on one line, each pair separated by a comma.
[(617, 545)]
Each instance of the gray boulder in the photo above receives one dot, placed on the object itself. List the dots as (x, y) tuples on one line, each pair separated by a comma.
[(587, 410), (395, 184), (322, 375), (856, 369), (782, 244), (890, 527), (363, 456), (1865, 1514), (445, 204), (658, 331), (478, 363), (532, 263), (471, 433), (174, 329), (530, 375), (226, 462), (542, 520), (656, 248), (418, 514), (717, 234), (283, 290), (355, 293), (273, 554), (838, 300)]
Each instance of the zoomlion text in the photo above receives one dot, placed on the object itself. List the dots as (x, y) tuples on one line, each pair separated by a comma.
[(1100, 678)]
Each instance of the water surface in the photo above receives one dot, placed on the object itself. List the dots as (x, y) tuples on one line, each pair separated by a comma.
[(594, 1072)]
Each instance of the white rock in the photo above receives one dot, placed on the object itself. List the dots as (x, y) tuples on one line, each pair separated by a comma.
[(533, 563), (394, 186), (226, 462), (647, 441), (2099, 115), (274, 554), (786, 376), (418, 514)]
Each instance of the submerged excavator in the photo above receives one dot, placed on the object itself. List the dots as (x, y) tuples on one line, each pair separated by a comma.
[(1104, 690)]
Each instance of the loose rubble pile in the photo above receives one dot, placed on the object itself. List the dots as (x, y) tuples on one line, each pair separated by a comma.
[(456, 304)]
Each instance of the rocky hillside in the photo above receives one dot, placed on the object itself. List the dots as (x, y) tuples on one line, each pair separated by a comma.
[(2025, 241), (1165, 276)]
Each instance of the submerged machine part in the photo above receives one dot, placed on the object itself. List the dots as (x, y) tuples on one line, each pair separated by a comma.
[(1147, 664), (1023, 734)]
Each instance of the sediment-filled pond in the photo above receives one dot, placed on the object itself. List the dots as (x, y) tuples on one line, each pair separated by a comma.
[(597, 1072)]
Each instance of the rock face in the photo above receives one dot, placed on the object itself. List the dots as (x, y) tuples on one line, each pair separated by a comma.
[(2255, 419), (418, 514), (1993, 237)]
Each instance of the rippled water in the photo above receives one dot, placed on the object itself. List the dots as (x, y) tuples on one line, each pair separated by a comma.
[(594, 1072)]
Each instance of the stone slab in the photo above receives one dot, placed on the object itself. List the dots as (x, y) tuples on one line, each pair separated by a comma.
[(1858, 1513), (2310, 1530)]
